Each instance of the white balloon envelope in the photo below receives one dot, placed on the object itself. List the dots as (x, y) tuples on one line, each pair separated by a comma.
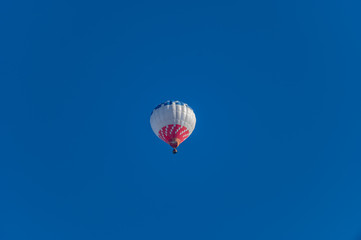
[(173, 122)]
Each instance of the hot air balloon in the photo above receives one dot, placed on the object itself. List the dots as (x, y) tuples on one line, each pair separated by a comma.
[(173, 122)]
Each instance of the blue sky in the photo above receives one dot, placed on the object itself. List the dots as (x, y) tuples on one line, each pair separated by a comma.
[(275, 86)]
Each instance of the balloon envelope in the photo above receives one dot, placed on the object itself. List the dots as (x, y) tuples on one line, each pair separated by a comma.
[(173, 122)]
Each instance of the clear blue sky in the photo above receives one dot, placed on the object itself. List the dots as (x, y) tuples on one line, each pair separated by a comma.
[(275, 86)]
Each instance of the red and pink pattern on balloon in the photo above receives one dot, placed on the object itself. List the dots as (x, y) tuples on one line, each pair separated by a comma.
[(173, 131)]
